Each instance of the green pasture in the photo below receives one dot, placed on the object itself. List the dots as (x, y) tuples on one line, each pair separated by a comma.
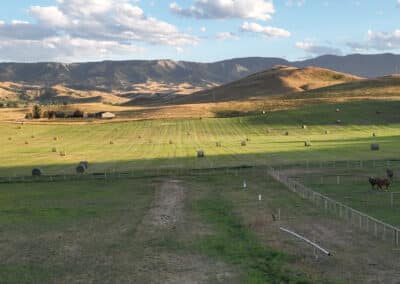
[(173, 143)]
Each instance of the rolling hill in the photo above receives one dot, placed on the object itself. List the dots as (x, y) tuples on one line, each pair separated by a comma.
[(279, 80)]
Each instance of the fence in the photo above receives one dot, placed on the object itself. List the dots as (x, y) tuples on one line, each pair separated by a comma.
[(115, 175), (356, 218)]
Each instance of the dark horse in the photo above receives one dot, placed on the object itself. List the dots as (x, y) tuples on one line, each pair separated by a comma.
[(379, 183), (389, 174)]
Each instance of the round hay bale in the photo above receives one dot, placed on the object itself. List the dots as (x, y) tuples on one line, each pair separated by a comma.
[(26, 142), (327, 132), (54, 150), (200, 154), (85, 164), (170, 142), (375, 147), (55, 138), (36, 172), (304, 126), (80, 169), (338, 110), (218, 144), (63, 154), (307, 144), (374, 134), (9, 138), (139, 137), (243, 143), (33, 136), (287, 133), (111, 142)]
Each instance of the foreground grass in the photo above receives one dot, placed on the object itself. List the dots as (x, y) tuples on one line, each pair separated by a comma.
[(235, 244)]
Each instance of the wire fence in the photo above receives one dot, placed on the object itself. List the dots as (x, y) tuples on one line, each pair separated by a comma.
[(357, 219)]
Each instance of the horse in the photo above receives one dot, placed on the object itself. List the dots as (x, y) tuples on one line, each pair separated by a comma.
[(379, 183), (372, 181), (383, 183), (389, 174)]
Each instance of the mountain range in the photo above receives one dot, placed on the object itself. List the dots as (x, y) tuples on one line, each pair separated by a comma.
[(108, 76)]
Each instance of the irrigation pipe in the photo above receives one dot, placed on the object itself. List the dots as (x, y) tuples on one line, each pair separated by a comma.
[(306, 240)]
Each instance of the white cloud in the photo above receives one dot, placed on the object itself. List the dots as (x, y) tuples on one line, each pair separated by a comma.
[(295, 3), (380, 41), (227, 9), (18, 22), (315, 49), (203, 29), (63, 48), (227, 36), (115, 24), (264, 30), (51, 16)]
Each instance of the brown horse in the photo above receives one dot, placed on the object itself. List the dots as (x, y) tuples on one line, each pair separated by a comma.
[(379, 183)]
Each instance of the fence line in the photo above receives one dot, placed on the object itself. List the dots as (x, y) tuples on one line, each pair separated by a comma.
[(369, 224)]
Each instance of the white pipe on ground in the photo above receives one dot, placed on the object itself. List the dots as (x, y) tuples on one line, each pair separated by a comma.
[(306, 240)]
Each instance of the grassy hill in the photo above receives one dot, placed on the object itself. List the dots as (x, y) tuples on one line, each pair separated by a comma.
[(279, 80)]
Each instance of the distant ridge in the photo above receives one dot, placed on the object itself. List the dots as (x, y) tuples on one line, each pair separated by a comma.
[(122, 75)]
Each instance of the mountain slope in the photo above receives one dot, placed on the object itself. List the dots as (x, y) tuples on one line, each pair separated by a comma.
[(279, 80)]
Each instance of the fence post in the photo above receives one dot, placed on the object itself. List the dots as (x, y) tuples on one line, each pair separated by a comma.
[(391, 200)]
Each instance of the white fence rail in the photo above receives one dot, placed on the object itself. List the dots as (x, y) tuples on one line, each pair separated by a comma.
[(371, 225)]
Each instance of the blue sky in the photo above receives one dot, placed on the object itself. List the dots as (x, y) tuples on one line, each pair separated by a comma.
[(195, 30)]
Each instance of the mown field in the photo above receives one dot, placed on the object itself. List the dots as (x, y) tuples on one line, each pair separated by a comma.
[(173, 143)]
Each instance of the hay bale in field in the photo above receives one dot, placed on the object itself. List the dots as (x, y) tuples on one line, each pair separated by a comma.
[(54, 150), (33, 136), (36, 172), (9, 138), (80, 169), (63, 153), (374, 134), (85, 164), (243, 143), (170, 142), (139, 137), (248, 139), (375, 147), (304, 126), (26, 142), (327, 132), (287, 133), (218, 144), (55, 138), (307, 144), (338, 110), (200, 154), (111, 142)]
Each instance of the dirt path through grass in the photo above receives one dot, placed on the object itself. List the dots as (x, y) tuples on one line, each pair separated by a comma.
[(165, 257)]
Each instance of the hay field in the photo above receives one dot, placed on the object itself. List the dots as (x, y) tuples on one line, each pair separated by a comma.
[(158, 144)]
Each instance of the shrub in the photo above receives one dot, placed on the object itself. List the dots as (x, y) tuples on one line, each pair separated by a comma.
[(243, 143)]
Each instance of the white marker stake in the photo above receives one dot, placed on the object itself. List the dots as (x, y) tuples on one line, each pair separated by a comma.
[(244, 184), (259, 197)]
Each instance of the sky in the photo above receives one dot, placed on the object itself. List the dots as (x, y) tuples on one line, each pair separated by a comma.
[(194, 30)]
